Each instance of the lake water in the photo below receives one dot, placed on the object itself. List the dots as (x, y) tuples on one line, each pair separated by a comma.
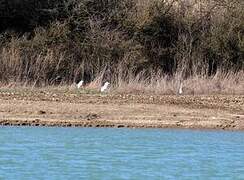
[(90, 153)]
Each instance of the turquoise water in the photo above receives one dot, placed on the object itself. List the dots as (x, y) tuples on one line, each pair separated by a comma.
[(80, 153)]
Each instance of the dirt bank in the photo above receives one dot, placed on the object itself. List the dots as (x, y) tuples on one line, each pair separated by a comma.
[(49, 107)]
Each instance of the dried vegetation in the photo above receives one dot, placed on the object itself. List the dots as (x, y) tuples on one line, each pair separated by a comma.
[(139, 45)]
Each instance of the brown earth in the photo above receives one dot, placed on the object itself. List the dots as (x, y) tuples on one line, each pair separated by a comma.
[(49, 107)]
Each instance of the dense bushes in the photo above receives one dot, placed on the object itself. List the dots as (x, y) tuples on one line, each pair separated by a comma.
[(64, 41)]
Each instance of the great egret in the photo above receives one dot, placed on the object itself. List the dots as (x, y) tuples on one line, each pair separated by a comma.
[(180, 88), (105, 87), (80, 84)]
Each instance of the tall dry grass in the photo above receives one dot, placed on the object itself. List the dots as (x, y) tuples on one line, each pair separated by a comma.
[(158, 83)]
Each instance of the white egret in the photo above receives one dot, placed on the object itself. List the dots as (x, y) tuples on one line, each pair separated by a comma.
[(105, 87), (180, 88), (79, 85)]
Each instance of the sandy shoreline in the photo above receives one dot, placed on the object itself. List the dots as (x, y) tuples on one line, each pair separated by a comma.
[(80, 109)]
